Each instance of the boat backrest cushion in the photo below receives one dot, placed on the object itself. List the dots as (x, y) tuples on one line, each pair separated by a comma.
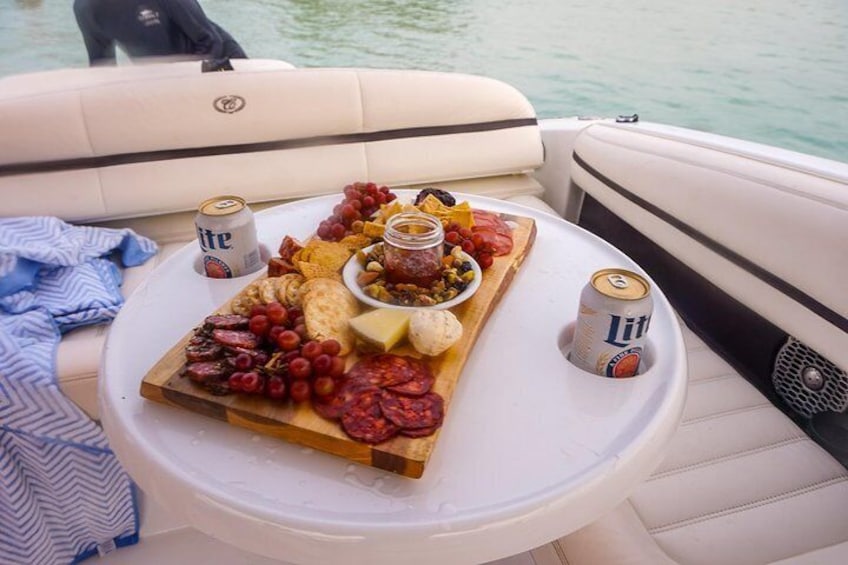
[(128, 143), (767, 226)]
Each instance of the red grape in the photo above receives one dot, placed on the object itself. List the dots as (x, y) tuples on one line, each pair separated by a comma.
[(244, 362), (257, 309), (300, 391), (311, 350), (337, 231), (453, 238), (251, 383), (288, 340), (235, 381), (331, 347), (277, 313), (324, 386), (259, 325), (468, 247), (485, 260), (338, 367), (300, 368), (276, 388), (322, 364)]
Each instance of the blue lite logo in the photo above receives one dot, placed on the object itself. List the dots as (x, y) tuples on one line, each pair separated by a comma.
[(211, 240), (624, 330)]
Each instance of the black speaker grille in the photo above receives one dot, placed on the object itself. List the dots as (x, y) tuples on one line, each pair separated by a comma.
[(792, 359)]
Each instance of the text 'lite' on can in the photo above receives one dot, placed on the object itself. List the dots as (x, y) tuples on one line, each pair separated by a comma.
[(612, 323), (226, 232)]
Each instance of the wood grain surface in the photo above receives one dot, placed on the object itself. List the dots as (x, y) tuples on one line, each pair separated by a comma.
[(300, 425)]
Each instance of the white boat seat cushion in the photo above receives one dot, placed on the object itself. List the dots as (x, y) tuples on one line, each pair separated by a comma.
[(767, 226), (741, 483)]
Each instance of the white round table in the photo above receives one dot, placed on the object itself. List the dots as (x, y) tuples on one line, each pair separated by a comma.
[(532, 448)]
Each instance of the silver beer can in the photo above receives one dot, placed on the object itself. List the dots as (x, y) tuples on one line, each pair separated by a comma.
[(226, 232), (612, 323)]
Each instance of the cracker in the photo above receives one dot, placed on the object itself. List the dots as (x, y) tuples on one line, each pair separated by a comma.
[(328, 307), (288, 289)]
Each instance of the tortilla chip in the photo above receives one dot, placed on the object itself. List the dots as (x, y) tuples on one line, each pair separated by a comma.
[(316, 271), (356, 241), (459, 213), (330, 254), (373, 230)]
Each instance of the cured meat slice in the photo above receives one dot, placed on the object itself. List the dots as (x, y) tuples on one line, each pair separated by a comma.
[(204, 350), (413, 412), (227, 321), (419, 432), (387, 369), (501, 243), (206, 372), (364, 420), (419, 384), (235, 338), (492, 221), (333, 407)]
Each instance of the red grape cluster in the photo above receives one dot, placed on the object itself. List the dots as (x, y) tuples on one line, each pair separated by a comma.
[(472, 243), (290, 365), (360, 202)]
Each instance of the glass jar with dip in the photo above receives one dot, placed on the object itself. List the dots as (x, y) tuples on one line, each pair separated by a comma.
[(413, 247)]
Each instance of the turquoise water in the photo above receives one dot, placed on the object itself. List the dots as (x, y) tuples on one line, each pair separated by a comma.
[(773, 71)]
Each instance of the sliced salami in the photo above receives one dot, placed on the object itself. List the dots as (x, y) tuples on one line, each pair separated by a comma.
[(204, 350), (419, 432), (206, 372), (333, 407), (387, 370), (363, 419), (501, 243), (227, 321), (413, 412), (235, 338), (419, 384), (491, 220)]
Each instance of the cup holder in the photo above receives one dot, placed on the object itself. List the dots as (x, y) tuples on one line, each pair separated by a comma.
[(565, 340), (264, 255)]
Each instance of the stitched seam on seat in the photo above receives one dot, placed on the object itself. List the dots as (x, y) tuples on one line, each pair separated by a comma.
[(560, 551), (726, 413), (728, 457), (712, 378), (747, 506)]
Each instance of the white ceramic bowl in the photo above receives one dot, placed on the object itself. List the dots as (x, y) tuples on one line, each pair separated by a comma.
[(353, 268)]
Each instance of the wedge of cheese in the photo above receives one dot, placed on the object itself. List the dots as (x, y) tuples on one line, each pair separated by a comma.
[(381, 329)]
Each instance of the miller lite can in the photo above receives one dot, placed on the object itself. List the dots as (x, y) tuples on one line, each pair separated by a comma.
[(227, 236), (615, 312)]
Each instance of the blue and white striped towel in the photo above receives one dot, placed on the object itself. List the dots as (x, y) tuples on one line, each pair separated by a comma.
[(63, 495)]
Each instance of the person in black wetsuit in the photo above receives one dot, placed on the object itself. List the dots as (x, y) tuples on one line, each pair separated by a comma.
[(151, 28)]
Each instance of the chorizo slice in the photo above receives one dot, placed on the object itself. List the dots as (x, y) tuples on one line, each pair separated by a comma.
[(333, 407), (386, 369), (413, 412), (363, 420)]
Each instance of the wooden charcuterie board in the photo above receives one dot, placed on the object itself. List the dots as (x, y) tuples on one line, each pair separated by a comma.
[(300, 425)]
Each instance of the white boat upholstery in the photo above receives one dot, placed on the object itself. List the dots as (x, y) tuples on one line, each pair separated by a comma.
[(741, 483), (141, 146), (768, 227)]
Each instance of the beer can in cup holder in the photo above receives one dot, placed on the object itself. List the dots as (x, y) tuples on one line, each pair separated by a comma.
[(612, 324), (226, 233)]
